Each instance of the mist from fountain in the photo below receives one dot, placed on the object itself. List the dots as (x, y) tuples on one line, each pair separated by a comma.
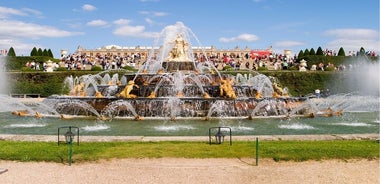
[(118, 107), (4, 87), (363, 79), (69, 106), (9, 104), (262, 84)]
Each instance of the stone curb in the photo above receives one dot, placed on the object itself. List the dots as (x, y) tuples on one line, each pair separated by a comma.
[(54, 138)]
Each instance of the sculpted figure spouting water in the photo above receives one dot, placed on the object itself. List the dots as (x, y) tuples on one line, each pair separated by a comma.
[(126, 93), (226, 88)]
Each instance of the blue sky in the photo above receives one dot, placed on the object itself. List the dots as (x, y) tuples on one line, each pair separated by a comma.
[(225, 24)]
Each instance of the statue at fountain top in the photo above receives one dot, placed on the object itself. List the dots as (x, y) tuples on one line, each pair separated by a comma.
[(179, 50)]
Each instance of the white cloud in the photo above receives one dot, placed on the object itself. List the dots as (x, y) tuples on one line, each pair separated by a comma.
[(154, 14), (98, 22), (354, 39), (6, 12), (287, 44), (32, 11), (88, 7), (122, 21), (17, 29), (160, 14), (353, 33), (144, 12), (134, 31), (243, 37), (149, 21)]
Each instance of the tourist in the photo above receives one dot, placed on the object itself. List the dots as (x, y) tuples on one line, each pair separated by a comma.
[(318, 93)]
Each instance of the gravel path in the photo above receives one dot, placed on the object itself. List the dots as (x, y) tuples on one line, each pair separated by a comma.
[(177, 170)]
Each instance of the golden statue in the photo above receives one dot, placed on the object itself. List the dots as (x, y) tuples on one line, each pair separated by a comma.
[(20, 113), (160, 71), (206, 95), (226, 88), (63, 117), (38, 115), (152, 95), (180, 94), (278, 90), (179, 50), (326, 113), (275, 95), (78, 90), (138, 118), (127, 90), (258, 95), (98, 94)]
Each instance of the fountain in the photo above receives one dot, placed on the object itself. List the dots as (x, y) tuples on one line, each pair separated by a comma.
[(174, 90), (172, 84)]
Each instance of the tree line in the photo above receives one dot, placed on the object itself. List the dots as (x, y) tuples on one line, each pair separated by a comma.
[(320, 52), (34, 52)]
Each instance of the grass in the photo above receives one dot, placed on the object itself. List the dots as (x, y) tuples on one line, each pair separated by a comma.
[(276, 150)]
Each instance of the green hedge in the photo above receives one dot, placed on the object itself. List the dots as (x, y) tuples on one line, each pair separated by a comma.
[(43, 83), (335, 60), (17, 63), (49, 83)]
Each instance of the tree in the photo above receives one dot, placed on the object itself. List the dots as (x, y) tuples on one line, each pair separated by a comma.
[(11, 52), (341, 52), (33, 52), (45, 53), (39, 52), (306, 52), (319, 51), (300, 54), (50, 54), (362, 51), (312, 51)]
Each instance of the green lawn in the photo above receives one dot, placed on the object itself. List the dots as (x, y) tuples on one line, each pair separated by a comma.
[(276, 150)]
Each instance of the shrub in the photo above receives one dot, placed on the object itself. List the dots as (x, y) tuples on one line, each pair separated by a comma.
[(330, 69), (130, 68), (24, 69), (293, 68), (96, 68), (62, 69), (227, 68), (262, 68)]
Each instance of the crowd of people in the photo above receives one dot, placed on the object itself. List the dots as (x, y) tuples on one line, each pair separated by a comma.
[(82, 62), (77, 61)]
